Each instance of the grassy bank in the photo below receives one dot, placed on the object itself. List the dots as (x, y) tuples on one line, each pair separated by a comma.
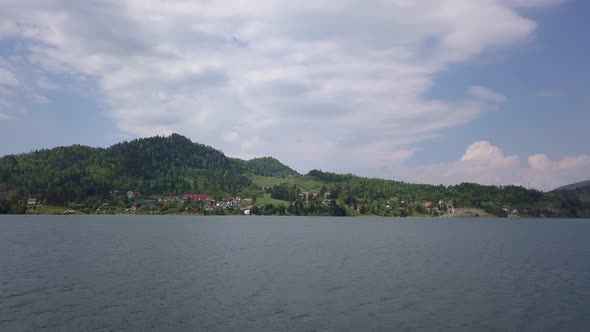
[(49, 210)]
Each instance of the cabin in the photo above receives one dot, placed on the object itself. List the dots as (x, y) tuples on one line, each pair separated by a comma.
[(133, 194), (196, 197)]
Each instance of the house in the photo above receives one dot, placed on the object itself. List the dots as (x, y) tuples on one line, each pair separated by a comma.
[(306, 196), (33, 201), (428, 205), (196, 197), (133, 194), (232, 202)]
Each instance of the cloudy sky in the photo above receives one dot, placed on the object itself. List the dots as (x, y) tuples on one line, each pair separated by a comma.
[(436, 91)]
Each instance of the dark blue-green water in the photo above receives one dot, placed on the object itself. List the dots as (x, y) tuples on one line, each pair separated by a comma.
[(293, 274)]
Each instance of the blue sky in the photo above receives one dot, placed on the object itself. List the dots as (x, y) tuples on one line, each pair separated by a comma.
[(488, 91), (544, 80)]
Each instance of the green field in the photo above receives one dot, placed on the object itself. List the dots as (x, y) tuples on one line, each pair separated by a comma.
[(49, 209), (306, 183), (266, 199)]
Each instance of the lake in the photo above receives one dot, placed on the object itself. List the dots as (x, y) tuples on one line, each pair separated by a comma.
[(293, 274)]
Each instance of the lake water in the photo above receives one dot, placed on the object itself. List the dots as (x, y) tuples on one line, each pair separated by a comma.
[(293, 274)]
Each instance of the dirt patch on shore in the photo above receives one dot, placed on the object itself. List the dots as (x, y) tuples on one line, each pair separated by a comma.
[(467, 212)]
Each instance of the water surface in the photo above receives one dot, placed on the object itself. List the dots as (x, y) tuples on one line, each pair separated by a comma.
[(293, 274)]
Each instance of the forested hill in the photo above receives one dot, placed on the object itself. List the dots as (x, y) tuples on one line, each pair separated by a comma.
[(268, 166), (173, 165), (162, 165), (584, 185), (352, 187), (496, 200)]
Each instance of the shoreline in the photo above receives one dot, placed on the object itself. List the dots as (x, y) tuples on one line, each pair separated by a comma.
[(451, 216)]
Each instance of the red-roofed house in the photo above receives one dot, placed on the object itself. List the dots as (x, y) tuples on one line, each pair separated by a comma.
[(197, 197)]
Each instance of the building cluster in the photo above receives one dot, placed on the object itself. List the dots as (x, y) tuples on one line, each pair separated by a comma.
[(194, 202), (309, 196), (133, 194), (437, 207)]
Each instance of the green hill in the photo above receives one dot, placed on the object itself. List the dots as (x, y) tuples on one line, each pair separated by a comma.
[(574, 186), (269, 166), (156, 165), (173, 165)]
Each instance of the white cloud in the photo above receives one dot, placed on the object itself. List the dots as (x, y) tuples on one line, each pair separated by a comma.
[(486, 94), (543, 162), (487, 164), (310, 80), (7, 77), (45, 84), (533, 3), (4, 105), (250, 144), (549, 93), (491, 155), (540, 161), (231, 136)]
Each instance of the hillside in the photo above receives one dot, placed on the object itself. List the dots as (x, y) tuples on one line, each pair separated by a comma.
[(574, 186), (156, 165), (269, 166), (172, 166)]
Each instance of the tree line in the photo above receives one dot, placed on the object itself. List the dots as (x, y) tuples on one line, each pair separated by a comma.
[(174, 165)]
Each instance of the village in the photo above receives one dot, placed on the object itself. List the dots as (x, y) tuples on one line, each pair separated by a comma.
[(133, 202), (188, 204), (285, 199)]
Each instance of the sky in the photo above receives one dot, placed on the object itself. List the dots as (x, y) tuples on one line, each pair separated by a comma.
[(426, 91)]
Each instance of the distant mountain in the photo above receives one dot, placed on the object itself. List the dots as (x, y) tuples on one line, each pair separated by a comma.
[(269, 166), (574, 186)]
